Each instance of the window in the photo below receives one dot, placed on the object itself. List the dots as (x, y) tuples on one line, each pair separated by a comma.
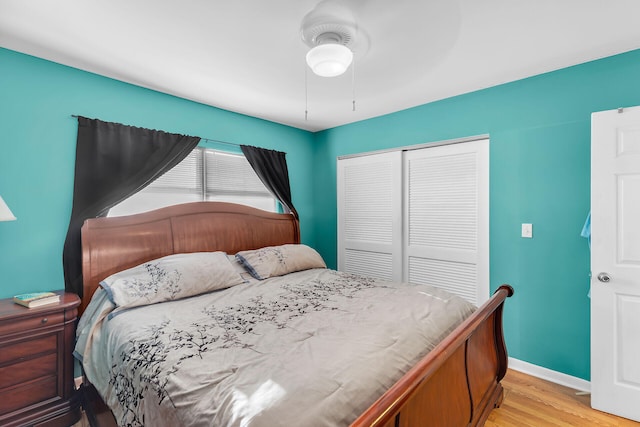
[(204, 174)]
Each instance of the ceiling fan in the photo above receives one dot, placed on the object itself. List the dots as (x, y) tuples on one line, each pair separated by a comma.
[(331, 32)]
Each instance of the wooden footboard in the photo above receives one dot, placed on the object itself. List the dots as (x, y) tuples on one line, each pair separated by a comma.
[(457, 383)]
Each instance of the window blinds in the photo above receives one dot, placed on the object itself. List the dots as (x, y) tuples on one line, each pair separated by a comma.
[(203, 175)]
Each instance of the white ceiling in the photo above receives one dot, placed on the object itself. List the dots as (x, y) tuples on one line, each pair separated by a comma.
[(247, 55)]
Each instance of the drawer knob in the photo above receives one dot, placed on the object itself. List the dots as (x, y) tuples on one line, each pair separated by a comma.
[(44, 320)]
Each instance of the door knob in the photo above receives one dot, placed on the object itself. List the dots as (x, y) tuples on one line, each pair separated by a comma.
[(604, 277)]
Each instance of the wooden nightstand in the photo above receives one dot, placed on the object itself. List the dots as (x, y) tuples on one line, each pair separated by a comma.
[(36, 364)]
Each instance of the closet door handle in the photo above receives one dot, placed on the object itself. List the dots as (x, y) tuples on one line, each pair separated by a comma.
[(604, 277)]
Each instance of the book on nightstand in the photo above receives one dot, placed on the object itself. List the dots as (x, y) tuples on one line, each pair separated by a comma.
[(36, 299)]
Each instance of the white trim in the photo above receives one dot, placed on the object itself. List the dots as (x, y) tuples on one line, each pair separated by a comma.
[(549, 375)]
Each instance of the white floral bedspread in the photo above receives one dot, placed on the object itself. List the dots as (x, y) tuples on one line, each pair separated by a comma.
[(312, 348)]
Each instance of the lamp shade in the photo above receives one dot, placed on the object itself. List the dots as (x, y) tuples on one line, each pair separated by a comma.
[(330, 59), (5, 212)]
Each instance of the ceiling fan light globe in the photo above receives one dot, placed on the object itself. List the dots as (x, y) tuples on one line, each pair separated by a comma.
[(329, 60)]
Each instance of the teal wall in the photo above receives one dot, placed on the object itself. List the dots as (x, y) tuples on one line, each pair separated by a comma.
[(539, 132), (540, 142), (37, 154)]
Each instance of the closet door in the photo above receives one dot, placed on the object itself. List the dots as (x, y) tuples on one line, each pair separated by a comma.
[(370, 215), (446, 241)]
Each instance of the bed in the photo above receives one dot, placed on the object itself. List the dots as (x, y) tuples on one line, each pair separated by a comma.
[(456, 383)]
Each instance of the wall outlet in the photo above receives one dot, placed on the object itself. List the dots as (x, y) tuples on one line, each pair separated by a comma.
[(527, 230)]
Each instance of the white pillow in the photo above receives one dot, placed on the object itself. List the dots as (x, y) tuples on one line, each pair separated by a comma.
[(279, 260), (170, 278)]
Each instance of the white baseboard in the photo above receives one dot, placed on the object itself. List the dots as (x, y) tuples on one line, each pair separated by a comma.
[(549, 375)]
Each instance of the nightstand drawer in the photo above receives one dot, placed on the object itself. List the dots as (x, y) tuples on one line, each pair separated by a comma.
[(22, 372), (31, 323), (26, 348), (36, 364), (28, 394)]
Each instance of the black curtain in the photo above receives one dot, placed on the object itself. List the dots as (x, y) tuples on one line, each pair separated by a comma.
[(113, 161), (271, 168)]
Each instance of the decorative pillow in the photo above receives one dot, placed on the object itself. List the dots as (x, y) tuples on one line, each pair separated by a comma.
[(279, 260), (170, 278)]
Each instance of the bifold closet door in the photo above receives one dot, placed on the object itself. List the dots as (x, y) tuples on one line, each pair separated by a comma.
[(446, 217), (370, 215)]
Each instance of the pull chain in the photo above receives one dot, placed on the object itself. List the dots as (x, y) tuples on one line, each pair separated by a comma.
[(353, 83), (306, 93)]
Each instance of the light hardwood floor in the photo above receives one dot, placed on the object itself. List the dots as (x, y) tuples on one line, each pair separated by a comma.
[(532, 402)]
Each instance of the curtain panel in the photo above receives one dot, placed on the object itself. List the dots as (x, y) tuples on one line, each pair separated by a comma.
[(113, 161), (271, 168)]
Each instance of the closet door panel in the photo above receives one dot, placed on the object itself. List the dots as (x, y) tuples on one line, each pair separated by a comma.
[(446, 218), (370, 215), (456, 277)]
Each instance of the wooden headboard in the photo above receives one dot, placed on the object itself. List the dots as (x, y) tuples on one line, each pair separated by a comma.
[(113, 244)]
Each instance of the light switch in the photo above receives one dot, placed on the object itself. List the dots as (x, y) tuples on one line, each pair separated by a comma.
[(527, 230)]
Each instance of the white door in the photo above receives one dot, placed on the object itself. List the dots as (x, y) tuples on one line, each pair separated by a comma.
[(615, 262), (370, 215), (447, 218)]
